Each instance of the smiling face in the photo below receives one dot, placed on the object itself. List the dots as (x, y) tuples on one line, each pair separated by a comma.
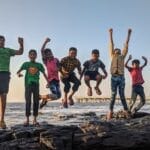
[(48, 54), (135, 63), (95, 57), (72, 52), (32, 55), (2, 41)]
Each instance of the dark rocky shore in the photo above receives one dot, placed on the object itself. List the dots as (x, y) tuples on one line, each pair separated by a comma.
[(118, 134)]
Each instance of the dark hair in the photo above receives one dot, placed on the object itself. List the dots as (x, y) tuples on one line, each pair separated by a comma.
[(47, 50), (73, 49), (32, 51), (117, 49), (95, 51), (136, 61), (2, 37)]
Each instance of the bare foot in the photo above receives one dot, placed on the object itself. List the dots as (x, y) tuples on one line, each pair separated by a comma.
[(98, 91), (71, 101), (89, 93)]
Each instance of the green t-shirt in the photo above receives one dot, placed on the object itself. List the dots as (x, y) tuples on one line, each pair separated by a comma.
[(5, 54), (33, 70)]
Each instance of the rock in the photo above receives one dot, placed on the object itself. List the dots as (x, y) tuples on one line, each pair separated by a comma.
[(117, 134)]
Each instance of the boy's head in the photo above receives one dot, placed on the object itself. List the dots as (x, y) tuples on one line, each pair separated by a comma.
[(2, 41), (32, 55), (95, 54), (117, 51), (72, 52), (48, 53), (135, 63)]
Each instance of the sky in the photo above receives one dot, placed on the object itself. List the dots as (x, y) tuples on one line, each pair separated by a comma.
[(80, 23)]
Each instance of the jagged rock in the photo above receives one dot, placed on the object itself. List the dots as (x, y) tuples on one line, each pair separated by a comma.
[(118, 134)]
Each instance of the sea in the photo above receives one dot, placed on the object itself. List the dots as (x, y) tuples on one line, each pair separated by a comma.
[(54, 113)]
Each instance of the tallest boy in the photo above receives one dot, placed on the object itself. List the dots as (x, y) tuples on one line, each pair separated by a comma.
[(117, 72), (5, 55)]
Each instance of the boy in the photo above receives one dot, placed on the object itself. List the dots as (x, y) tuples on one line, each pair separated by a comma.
[(52, 65), (90, 72), (33, 70), (67, 66), (5, 55), (117, 73), (137, 81)]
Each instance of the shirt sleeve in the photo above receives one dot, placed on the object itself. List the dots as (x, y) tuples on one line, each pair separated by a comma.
[(41, 68), (12, 52), (86, 64), (130, 69), (24, 66), (102, 65), (62, 62)]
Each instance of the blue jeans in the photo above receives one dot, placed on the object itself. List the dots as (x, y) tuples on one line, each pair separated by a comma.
[(118, 82), (55, 88), (137, 90)]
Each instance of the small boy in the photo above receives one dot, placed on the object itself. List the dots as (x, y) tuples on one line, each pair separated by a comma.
[(117, 73), (5, 55), (91, 72), (52, 65), (137, 81), (67, 66), (33, 70)]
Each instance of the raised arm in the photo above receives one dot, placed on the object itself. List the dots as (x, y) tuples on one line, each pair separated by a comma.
[(126, 64), (21, 48), (145, 62), (125, 49), (47, 40), (111, 43)]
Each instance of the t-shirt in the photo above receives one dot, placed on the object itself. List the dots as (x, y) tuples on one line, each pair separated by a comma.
[(90, 65), (68, 64), (5, 54), (136, 75), (33, 70), (52, 69)]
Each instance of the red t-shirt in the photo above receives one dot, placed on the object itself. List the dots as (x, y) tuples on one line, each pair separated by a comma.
[(136, 75)]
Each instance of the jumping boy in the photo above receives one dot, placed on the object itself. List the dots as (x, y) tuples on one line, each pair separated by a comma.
[(5, 55), (91, 72), (52, 65), (117, 73), (67, 66), (137, 81), (33, 70)]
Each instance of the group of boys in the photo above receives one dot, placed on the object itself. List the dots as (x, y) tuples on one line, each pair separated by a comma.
[(66, 67)]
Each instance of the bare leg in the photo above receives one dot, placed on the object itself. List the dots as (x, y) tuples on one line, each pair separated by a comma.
[(98, 81), (87, 82), (2, 106)]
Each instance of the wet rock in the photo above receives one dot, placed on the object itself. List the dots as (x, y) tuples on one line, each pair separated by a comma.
[(117, 134)]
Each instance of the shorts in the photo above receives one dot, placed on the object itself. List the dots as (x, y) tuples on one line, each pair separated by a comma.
[(92, 74), (4, 82)]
